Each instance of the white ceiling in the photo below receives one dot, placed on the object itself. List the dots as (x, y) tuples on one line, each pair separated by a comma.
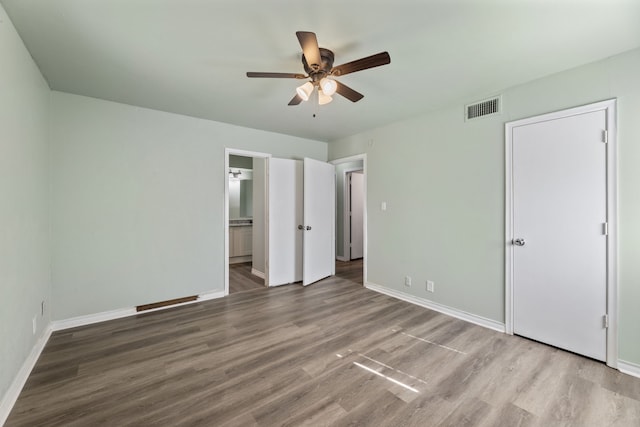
[(190, 56)]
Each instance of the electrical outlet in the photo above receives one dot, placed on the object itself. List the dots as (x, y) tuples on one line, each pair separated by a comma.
[(430, 286), (407, 281), (34, 322)]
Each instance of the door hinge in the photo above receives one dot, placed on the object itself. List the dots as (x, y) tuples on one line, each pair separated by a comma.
[(605, 136), (605, 320), (605, 228)]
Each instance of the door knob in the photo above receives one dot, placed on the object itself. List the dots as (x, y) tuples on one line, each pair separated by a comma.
[(519, 242), (300, 227), (308, 227)]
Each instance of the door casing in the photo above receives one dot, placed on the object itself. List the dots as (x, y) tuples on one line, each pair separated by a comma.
[(609, 106)]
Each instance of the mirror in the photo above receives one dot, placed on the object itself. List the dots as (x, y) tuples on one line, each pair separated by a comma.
[(240, 193)]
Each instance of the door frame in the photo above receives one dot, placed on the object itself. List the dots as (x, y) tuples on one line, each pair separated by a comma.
[(228, 151), (609, 106), (346, 218), (349, 159)]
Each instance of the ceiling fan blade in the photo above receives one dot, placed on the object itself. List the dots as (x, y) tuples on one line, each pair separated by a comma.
[(295, 100), (348, 93), (277, 75), (310, 49), (372, 61)]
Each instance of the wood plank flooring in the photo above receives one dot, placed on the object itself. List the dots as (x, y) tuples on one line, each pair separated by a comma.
[(241, 279), (332, 353)]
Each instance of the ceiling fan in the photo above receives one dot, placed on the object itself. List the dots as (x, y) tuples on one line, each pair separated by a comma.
[(318, 64)]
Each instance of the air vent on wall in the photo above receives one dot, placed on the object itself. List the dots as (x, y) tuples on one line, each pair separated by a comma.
[(482, 108)]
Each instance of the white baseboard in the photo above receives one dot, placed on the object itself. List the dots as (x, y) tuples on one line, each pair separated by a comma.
[(342, 258), (453, 312), (258, 273), (240, 259), (207, 296), (89, 319), (74, 322), (629, 368), (10, 397)]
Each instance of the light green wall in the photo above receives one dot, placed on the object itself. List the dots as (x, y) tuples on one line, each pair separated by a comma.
[(445, 217), (24, 235), (340, 168), (138, 202), (443, 185)]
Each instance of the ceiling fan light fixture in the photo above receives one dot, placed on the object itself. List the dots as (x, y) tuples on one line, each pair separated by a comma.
[(328, 86), (323, 98), (305, 91)]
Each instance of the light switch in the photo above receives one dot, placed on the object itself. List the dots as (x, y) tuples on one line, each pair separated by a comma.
[(383, 206)]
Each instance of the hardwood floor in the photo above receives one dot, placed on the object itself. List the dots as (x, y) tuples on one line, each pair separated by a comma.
[(241, 279), (350, 271), (333, 353)]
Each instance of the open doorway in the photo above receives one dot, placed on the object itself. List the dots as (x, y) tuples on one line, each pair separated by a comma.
[(354, 207), (351, 229), (246, 222)]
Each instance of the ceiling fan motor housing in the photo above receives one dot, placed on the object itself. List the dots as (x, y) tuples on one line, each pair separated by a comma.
[(318, 71)]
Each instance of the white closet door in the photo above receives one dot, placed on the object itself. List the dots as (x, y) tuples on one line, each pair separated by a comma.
[(285, 214), (559, 214), (319, 221)]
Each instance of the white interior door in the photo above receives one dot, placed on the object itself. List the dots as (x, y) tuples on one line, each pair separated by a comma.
[(319, 221), (559, 180), (285, 213), (356, 202)]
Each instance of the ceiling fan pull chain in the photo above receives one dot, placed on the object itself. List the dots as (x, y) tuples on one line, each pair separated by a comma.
[(316, 102)]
